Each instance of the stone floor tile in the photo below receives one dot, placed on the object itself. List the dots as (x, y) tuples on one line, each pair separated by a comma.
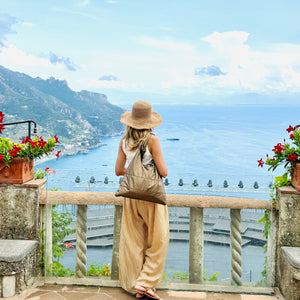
[(48, 296), (120, 296), (258, 297), (36, 294), (57, 288), (218, 296), (24, 294), (116, 293), (83, 289), (73, 295), (102, 297), (178, 295)]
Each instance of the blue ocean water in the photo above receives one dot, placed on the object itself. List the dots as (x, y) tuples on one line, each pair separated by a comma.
[(214, 143)]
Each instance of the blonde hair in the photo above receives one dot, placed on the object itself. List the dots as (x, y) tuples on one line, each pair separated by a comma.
[(134, 136)]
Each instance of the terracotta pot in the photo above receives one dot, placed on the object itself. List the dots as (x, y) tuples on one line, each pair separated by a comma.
[(19, 171), (295, 174)]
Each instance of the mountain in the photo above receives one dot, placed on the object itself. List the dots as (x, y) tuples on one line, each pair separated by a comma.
[(78, 118)]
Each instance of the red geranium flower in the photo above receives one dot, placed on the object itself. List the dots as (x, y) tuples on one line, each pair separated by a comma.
[(33, 144), (260, 163), (1, 128), (278, 148), (1, 116), (291, 136), (56, 139), (58, 153), (49, 171), (292, 157), (69, 245), (13, 153), (1, 157), (290, 129), (27, 140), (42, 143)]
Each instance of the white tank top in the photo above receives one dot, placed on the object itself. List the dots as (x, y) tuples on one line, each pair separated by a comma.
[(130, 154)]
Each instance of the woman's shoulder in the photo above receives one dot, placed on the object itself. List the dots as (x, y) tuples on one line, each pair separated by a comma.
[(153, 138), (122, 140), (153, 142)]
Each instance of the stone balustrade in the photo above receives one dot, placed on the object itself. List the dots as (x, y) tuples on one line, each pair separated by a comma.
[(25, 214), (196, 205)]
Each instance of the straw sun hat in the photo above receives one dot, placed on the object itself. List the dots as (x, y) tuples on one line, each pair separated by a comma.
[(141, 116)]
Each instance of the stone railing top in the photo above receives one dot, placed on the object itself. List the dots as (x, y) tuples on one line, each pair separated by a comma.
[(293, 255), (15, 250), (34, 183), (288, 190), (174, 200)]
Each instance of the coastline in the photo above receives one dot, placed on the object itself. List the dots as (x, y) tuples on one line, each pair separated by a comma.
[(68, 150)]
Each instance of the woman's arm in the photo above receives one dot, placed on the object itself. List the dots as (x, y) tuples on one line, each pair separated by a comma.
[(155, 150), (121, 160)]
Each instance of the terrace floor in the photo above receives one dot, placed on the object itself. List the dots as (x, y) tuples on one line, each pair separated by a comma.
[(61, 292)]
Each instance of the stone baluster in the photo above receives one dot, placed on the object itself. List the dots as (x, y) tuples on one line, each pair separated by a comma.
[(196, 245), (236, 246), (116, 242), (48, 239), (81, 229)]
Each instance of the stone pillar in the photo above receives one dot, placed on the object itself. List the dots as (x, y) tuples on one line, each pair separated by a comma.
[(272, 247), (196, 245), (20, 234), (116, 244), (19, 210), (288, 200)]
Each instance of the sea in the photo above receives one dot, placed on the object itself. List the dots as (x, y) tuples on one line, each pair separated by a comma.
[(221, 144)]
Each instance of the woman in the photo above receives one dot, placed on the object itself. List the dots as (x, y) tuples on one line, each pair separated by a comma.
[(144, 237)]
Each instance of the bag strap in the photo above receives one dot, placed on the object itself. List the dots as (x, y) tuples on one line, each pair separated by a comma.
[(143, 145)]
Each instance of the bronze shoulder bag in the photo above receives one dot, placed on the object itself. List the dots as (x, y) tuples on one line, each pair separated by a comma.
[(142, 182)]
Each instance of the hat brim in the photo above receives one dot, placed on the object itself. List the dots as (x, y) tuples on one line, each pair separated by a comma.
[(154, 120)]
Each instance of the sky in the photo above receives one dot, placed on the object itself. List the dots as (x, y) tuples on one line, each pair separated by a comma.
[(177, 50)]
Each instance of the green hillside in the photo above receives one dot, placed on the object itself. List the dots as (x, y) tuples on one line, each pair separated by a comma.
[(78, 118)]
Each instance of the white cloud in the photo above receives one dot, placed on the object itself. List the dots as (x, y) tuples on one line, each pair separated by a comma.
[(17, 60), (228, 41), (274, 70), (12, 57)]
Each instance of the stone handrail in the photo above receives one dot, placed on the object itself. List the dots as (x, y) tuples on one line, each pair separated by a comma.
[(173, 200), (194, 202)]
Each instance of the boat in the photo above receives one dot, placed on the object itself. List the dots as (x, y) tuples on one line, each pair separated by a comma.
[(172, 139)]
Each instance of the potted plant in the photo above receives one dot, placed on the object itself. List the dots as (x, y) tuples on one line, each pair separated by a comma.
[(16, 159), (288, 155)]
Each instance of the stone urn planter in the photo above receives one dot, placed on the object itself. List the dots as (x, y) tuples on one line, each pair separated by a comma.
[(295, 175), (19, 171)]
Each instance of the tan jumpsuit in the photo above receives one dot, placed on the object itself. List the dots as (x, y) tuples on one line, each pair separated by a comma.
[(144, 240)]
